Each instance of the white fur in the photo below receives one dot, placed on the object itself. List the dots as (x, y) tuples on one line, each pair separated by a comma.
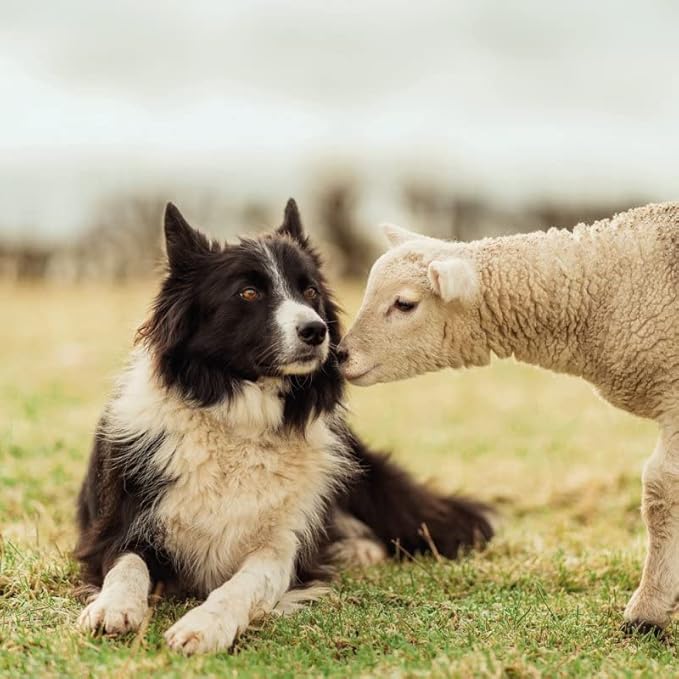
[(359, 545), (246, 496), (280, 282), (229, 610), (294, 599), (289, 316), (253, 591), (359, 552), (350, 527), (123, 601)]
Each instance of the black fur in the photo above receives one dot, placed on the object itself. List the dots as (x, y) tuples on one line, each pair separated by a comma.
[(111, 498), (206, 341), (395, 506)]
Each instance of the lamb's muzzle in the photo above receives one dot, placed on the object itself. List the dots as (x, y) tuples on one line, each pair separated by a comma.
[(352, 366)]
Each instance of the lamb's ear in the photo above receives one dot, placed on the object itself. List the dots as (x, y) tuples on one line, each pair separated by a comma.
[(181, 239), (292, 222), (396, 235), (454, 278)]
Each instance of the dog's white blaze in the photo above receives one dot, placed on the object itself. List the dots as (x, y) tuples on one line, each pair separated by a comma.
[(245, 499), (280, 282), (289, 316), (123, 601)]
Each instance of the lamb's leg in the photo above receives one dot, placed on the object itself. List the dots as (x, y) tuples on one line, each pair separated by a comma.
[(123, 601), (253, 591), (652, 603)]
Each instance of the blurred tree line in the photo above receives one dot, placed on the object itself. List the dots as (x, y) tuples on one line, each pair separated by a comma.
[(123, 241)]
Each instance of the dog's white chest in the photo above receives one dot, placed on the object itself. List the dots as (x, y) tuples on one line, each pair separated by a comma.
[(236, 479), (235, 489)]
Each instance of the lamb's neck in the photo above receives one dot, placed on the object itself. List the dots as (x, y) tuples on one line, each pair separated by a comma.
[(536, 301)]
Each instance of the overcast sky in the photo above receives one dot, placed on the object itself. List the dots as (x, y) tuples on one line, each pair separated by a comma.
[(251, 98)]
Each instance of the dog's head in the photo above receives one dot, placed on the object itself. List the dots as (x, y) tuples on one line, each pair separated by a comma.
[(230, 313)]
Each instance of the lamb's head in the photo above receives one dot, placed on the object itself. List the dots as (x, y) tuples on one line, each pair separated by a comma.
[(418, 312)]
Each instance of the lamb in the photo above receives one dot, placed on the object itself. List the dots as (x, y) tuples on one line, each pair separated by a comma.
[(600, 302)]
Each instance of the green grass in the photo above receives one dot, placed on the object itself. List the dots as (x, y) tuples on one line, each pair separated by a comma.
[(545, 599)]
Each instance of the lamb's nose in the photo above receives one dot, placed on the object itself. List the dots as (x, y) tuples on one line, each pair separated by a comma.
[(342, 355), (312, 333)]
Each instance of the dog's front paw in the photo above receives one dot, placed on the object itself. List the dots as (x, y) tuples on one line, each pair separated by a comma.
[(112, 614), (205, 629)]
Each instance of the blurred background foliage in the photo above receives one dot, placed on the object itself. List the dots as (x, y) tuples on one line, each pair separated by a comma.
[(123, 240), (459, 119)]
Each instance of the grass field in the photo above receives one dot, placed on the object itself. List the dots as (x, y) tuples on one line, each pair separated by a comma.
[(546, 598)]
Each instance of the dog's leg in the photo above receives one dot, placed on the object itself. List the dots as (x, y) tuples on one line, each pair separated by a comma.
[(252, 592), (650, 607), (356, 544), (123, 601)]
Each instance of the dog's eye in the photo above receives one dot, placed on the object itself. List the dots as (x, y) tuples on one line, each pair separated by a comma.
[(250, 294), (404, 306), (311, 292)]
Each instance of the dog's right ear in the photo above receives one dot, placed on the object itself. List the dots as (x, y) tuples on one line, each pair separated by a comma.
[(292, 222), (181, 239)]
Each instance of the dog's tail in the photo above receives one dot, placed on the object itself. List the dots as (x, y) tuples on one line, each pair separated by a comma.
[(407, 516), (298, 597)]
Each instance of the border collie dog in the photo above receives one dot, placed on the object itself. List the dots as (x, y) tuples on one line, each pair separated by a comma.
[(223, 466)]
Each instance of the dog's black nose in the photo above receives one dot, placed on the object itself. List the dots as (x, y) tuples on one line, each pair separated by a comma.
[(342, 355), (312, 333)]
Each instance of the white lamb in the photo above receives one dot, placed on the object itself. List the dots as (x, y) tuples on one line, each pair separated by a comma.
[(600, 302)]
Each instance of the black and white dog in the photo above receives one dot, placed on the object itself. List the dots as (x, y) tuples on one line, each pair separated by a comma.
[(223, 466)]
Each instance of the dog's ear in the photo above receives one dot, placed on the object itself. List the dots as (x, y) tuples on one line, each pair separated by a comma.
[(181, 239), (292, 222)]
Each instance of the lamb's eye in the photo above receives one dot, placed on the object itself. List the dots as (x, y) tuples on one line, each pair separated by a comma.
[(311, 293), (404, 306), (250, 294)]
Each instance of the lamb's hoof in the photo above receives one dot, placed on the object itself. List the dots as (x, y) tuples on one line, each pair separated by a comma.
[(644, 628), (647, 613)]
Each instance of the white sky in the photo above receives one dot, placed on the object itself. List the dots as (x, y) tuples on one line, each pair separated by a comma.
[(250, 98)]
